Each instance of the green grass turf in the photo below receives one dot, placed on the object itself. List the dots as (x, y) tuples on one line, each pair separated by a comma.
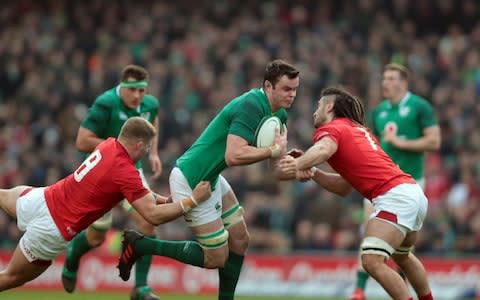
[(41, 295)]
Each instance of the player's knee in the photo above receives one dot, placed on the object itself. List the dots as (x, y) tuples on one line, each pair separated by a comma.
[(215, 247), (401, 255), (374, 252), (95, 238), (239, 240), (215, 258)]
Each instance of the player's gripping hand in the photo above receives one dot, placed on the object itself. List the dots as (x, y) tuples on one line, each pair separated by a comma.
[(288, 165), (305, 175), (280, 143), (202, 191)]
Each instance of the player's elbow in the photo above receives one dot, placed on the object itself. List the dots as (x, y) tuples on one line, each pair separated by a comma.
[(345, 191), (81, 145), (231, 159)]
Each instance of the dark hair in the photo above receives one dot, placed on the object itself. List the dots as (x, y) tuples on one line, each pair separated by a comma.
[(402, 70), (137, 72), (346, 105), (276, 69)]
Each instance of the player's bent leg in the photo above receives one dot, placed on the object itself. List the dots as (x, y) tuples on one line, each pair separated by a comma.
[(9, 197), (239, 239), (141, 290), (412, 267), (85, 241), (20, 271), (381, 238), (362, 275)]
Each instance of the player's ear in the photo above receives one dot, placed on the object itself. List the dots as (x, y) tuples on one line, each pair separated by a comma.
[(267, 85)]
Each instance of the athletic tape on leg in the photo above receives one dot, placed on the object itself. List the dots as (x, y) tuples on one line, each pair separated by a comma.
[(213, 240), (233, 215), (374, 245)]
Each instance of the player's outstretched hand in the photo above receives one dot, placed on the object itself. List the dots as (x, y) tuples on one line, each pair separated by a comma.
[(202, 191)]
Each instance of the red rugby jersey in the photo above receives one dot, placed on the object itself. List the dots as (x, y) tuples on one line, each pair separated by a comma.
[(106, 177), (360, 160)]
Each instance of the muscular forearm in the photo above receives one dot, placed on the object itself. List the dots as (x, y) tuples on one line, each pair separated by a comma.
[(154, 148), (165, 212), (246, 155), (316, 155), (332, 182)]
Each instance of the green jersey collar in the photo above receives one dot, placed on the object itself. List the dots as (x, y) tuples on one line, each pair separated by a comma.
[(402, 102), (266, 103)]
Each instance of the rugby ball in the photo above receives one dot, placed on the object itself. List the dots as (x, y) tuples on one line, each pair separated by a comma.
[(265, 135)]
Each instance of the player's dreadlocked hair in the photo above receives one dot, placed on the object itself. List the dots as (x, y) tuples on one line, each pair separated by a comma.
[(346, 105)]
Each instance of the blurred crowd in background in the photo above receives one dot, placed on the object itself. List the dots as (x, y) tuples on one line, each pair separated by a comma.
[(57, 56)]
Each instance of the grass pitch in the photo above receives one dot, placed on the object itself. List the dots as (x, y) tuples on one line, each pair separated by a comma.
[(60, 295)]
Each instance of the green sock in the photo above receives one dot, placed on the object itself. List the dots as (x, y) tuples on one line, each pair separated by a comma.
[(188, 252), (362, 278), (229, 275), (76, 249), (142, 266)]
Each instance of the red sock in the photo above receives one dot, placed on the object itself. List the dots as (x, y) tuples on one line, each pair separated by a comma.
[(426, 297), (411, 298)]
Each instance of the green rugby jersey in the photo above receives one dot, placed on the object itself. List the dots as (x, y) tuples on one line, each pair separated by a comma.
[(107, 114), (205, 159), (409, 117)]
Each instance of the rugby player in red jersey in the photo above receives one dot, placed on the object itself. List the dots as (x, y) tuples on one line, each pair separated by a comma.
[(342, 139), (51, 216)]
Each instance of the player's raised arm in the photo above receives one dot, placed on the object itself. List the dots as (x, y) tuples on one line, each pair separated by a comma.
[(158, 214)]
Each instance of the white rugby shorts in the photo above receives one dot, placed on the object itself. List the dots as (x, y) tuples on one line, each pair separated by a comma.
[(404, 205), (206, 212), (42, 239)]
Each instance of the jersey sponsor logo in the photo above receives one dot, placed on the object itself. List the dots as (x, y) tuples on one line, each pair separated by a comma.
[(218, 206), (403, 111), (122, 116), (383, 114)]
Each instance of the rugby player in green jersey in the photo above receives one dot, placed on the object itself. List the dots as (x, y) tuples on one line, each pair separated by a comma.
[(105, 119), (229, 140), (406, 127)]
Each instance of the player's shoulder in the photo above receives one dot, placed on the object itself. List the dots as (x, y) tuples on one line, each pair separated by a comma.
[(418, 100), (151, 101), (107, 98), (384, 104)]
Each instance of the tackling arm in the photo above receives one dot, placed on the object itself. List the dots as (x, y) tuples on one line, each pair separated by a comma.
[(148, 206), (332, 182)]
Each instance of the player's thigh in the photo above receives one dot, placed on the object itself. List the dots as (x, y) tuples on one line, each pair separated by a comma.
[(385, 231), (102, 224), (232, 218), (19, 270)]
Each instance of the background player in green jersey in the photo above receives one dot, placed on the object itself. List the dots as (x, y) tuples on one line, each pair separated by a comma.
[(406, 127), (229, 140), (105, 119)]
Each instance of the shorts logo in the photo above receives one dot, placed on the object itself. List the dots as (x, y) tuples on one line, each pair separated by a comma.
[(28, 252)]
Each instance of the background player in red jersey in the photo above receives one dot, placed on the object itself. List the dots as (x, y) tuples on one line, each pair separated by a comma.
[(51, 216), (342, 139)]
